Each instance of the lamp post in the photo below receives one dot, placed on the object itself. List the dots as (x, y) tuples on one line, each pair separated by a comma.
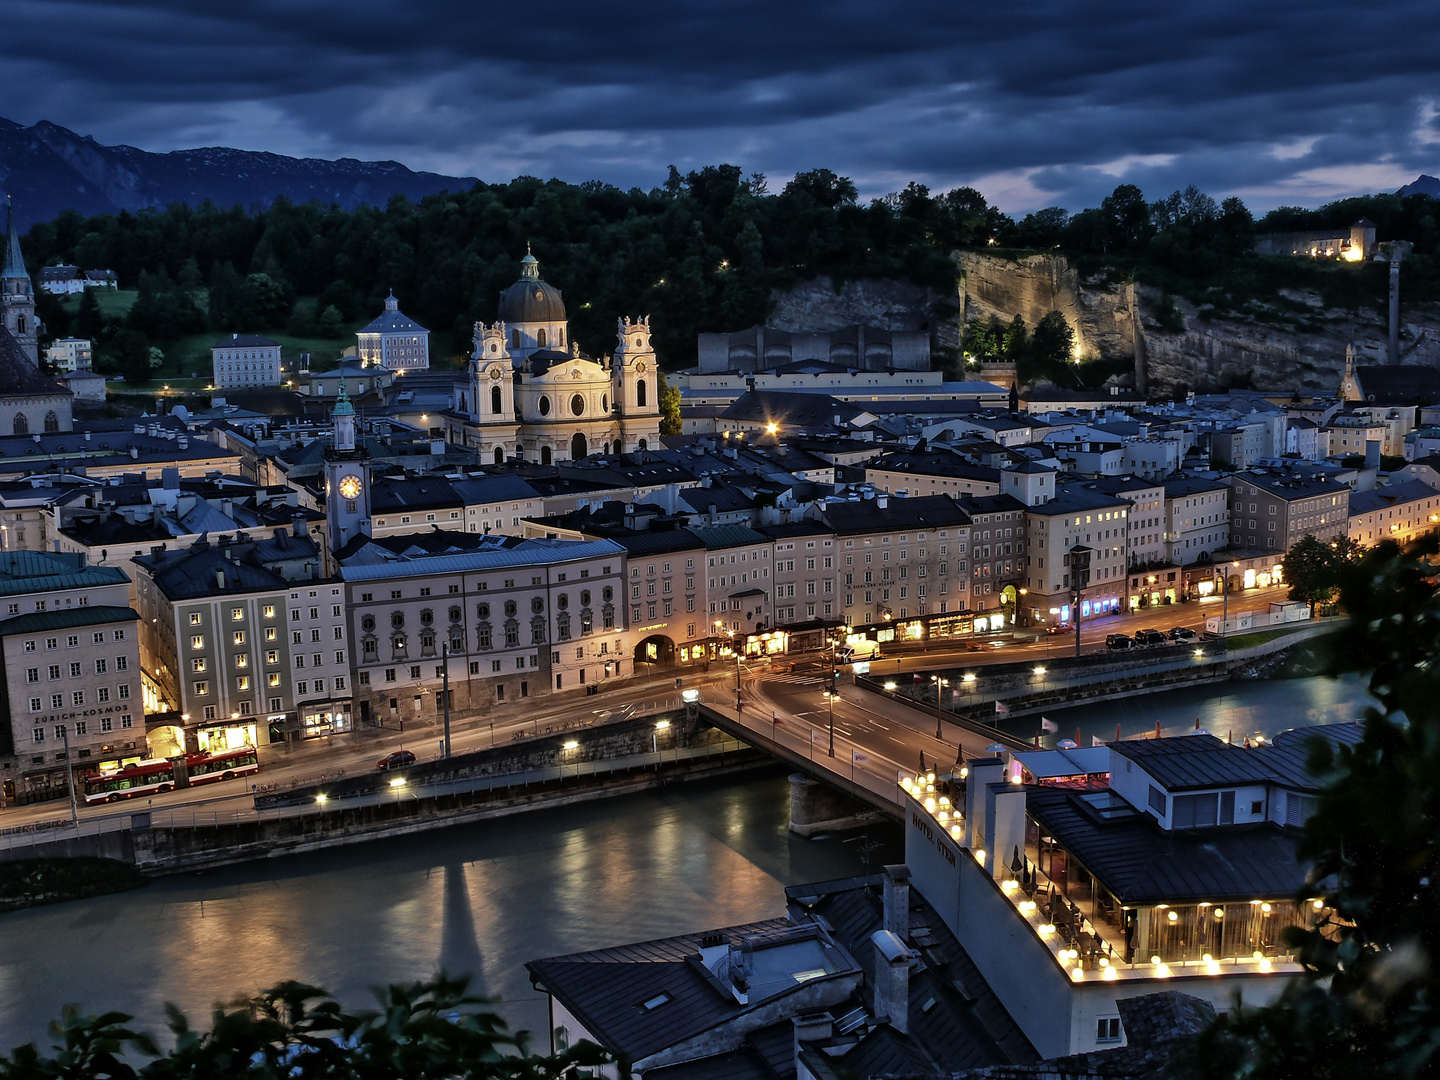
[(1020, 605), (731, 633), (940, 685), (830, 692), (1079, 558), (969, 680)]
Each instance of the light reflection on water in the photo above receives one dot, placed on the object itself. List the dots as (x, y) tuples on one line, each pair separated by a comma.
[(481, 898), (1232, 709)]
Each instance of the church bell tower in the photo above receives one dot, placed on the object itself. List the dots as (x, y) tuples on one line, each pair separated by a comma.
[(17, 297), (347, 478)]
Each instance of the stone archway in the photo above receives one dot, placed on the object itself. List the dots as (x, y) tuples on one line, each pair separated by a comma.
[(657, 650), (545, 458), (578, 446)]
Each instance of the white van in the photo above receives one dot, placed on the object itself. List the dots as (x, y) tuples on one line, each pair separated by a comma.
[(861, 650)]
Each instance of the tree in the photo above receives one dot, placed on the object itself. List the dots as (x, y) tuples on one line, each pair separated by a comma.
[(89, 323), (330, 322), (669, 399), (1313, 568), (423, 1030), (1365, 1006), (1017, 340), (1053, 341), (129, 354)]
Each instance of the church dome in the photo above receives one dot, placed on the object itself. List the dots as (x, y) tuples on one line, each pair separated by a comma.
[(531, 300)]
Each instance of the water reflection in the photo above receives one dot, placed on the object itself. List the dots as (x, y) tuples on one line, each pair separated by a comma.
[(485, 898)]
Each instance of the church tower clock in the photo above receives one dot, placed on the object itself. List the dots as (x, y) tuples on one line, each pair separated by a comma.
[(347, 478)]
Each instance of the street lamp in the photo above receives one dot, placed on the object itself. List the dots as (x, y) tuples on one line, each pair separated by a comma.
[(940, 685), (1020, 605), (731, 633), (969, 680)]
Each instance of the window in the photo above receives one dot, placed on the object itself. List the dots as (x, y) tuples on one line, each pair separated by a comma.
[(389, 674), (1107, 1029), (1195, 811), (237, 614), (238, 637), (1157, 801), (269, 611), (195, 618), (122, 663), (77, 698), (57, 701), (54, 671), (32, 674), (202, 688), (198, 641)]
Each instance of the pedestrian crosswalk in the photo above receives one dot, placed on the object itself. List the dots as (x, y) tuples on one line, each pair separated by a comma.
[(804, 680)]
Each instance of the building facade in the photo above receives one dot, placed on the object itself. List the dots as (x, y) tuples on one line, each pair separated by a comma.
[(1077, 539), (1271, 511), (533, 395), (245, 360), (393, 340)]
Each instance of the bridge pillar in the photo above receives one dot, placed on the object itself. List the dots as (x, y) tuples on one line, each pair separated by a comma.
[(816, 808)]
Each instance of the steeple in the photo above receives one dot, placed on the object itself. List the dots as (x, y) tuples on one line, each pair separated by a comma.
[(17, 296), (344, 417), (392, 304), (14, 261)]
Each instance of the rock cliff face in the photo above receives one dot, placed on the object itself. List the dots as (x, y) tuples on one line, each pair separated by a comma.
[(46, 169), (1099, 313), (889, 305)]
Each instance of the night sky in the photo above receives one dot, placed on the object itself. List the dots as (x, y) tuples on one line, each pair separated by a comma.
[(1035, 104)]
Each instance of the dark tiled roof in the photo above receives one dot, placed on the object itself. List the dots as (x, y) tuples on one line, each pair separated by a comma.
[(791, 410), (19, 377), (743, 1064), (928, 511), (1406, 384), (729, 536), (42, 571), (245, 341), (41, 621), (1195, 761), (657, 543), (1142, 864), (605, 989), (428, 493)]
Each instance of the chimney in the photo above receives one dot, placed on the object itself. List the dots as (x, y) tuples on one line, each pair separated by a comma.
[(896, 895), (881, 502), (811, 1028), (891, 997), (87, 436)]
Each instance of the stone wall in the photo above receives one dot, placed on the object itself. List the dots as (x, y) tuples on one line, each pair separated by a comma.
[(887, 304)]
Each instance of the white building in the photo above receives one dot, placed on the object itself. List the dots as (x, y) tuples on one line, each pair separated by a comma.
[(395, 341), (246, 360), (1076, 878), (71, 354), (533, 394), (1197, 519)]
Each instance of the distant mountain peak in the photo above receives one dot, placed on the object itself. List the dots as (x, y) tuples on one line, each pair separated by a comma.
[(46, 169), (1423, 185)]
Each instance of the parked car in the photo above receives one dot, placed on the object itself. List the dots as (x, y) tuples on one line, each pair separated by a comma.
[(861, 650), (1059, 628), (397, 759), (1149, 637), (1181, 633), (1119, 641)]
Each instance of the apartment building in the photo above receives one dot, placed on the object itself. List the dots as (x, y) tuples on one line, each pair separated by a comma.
[(1271, 510), (665, 576), (901, 558), (1097, 524), (246, 360), (1399, 512), (511, 618), (805, 575), (479, 504), (997, 550), (72, 672), (934, 472), (221, 654), (739, 585), (1348, 435), (1197, 519), (1145, 542)]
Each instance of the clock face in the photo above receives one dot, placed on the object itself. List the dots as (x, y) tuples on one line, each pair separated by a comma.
[(640, 367), (350, 486), (495, 373)]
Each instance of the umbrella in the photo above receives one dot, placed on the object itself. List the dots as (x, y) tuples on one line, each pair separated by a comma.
[(922, 762), (1016, 864)]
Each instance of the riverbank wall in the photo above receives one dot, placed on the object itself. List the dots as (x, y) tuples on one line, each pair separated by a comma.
[(998, 691), (553, 771)]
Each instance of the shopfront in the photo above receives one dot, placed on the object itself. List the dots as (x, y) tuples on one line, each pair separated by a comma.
[(1155, 588), (325, 717), (212, 737)]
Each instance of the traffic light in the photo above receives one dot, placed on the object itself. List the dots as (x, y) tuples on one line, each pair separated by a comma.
[(678, 683)]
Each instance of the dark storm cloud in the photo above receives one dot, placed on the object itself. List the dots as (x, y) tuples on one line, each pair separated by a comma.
[(1035, 103)]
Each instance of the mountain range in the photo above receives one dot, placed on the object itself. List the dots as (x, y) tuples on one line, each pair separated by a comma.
[(46, 168)]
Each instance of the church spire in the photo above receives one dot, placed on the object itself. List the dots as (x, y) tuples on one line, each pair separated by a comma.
[(344, 418), (17, 297), (14, 261)]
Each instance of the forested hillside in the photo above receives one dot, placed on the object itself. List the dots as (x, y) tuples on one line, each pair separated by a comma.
[(701, 253)]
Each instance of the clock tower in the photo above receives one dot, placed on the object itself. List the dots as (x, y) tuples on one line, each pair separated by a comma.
[(347, 478)]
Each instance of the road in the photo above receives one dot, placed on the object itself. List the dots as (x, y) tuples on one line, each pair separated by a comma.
[(793, 690)]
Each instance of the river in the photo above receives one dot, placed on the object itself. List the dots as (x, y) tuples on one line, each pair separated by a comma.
[(1231, 710), (487, 897), (481, 898)]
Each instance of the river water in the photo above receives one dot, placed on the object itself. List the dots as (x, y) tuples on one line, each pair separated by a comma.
[(1229, 710), (481, 898), (487, 897)]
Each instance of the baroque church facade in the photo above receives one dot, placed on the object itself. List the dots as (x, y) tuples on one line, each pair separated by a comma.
[(533, 395)]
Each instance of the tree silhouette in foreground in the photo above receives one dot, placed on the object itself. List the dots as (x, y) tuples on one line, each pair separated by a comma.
[(1368, 1003), (421, 1030)]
